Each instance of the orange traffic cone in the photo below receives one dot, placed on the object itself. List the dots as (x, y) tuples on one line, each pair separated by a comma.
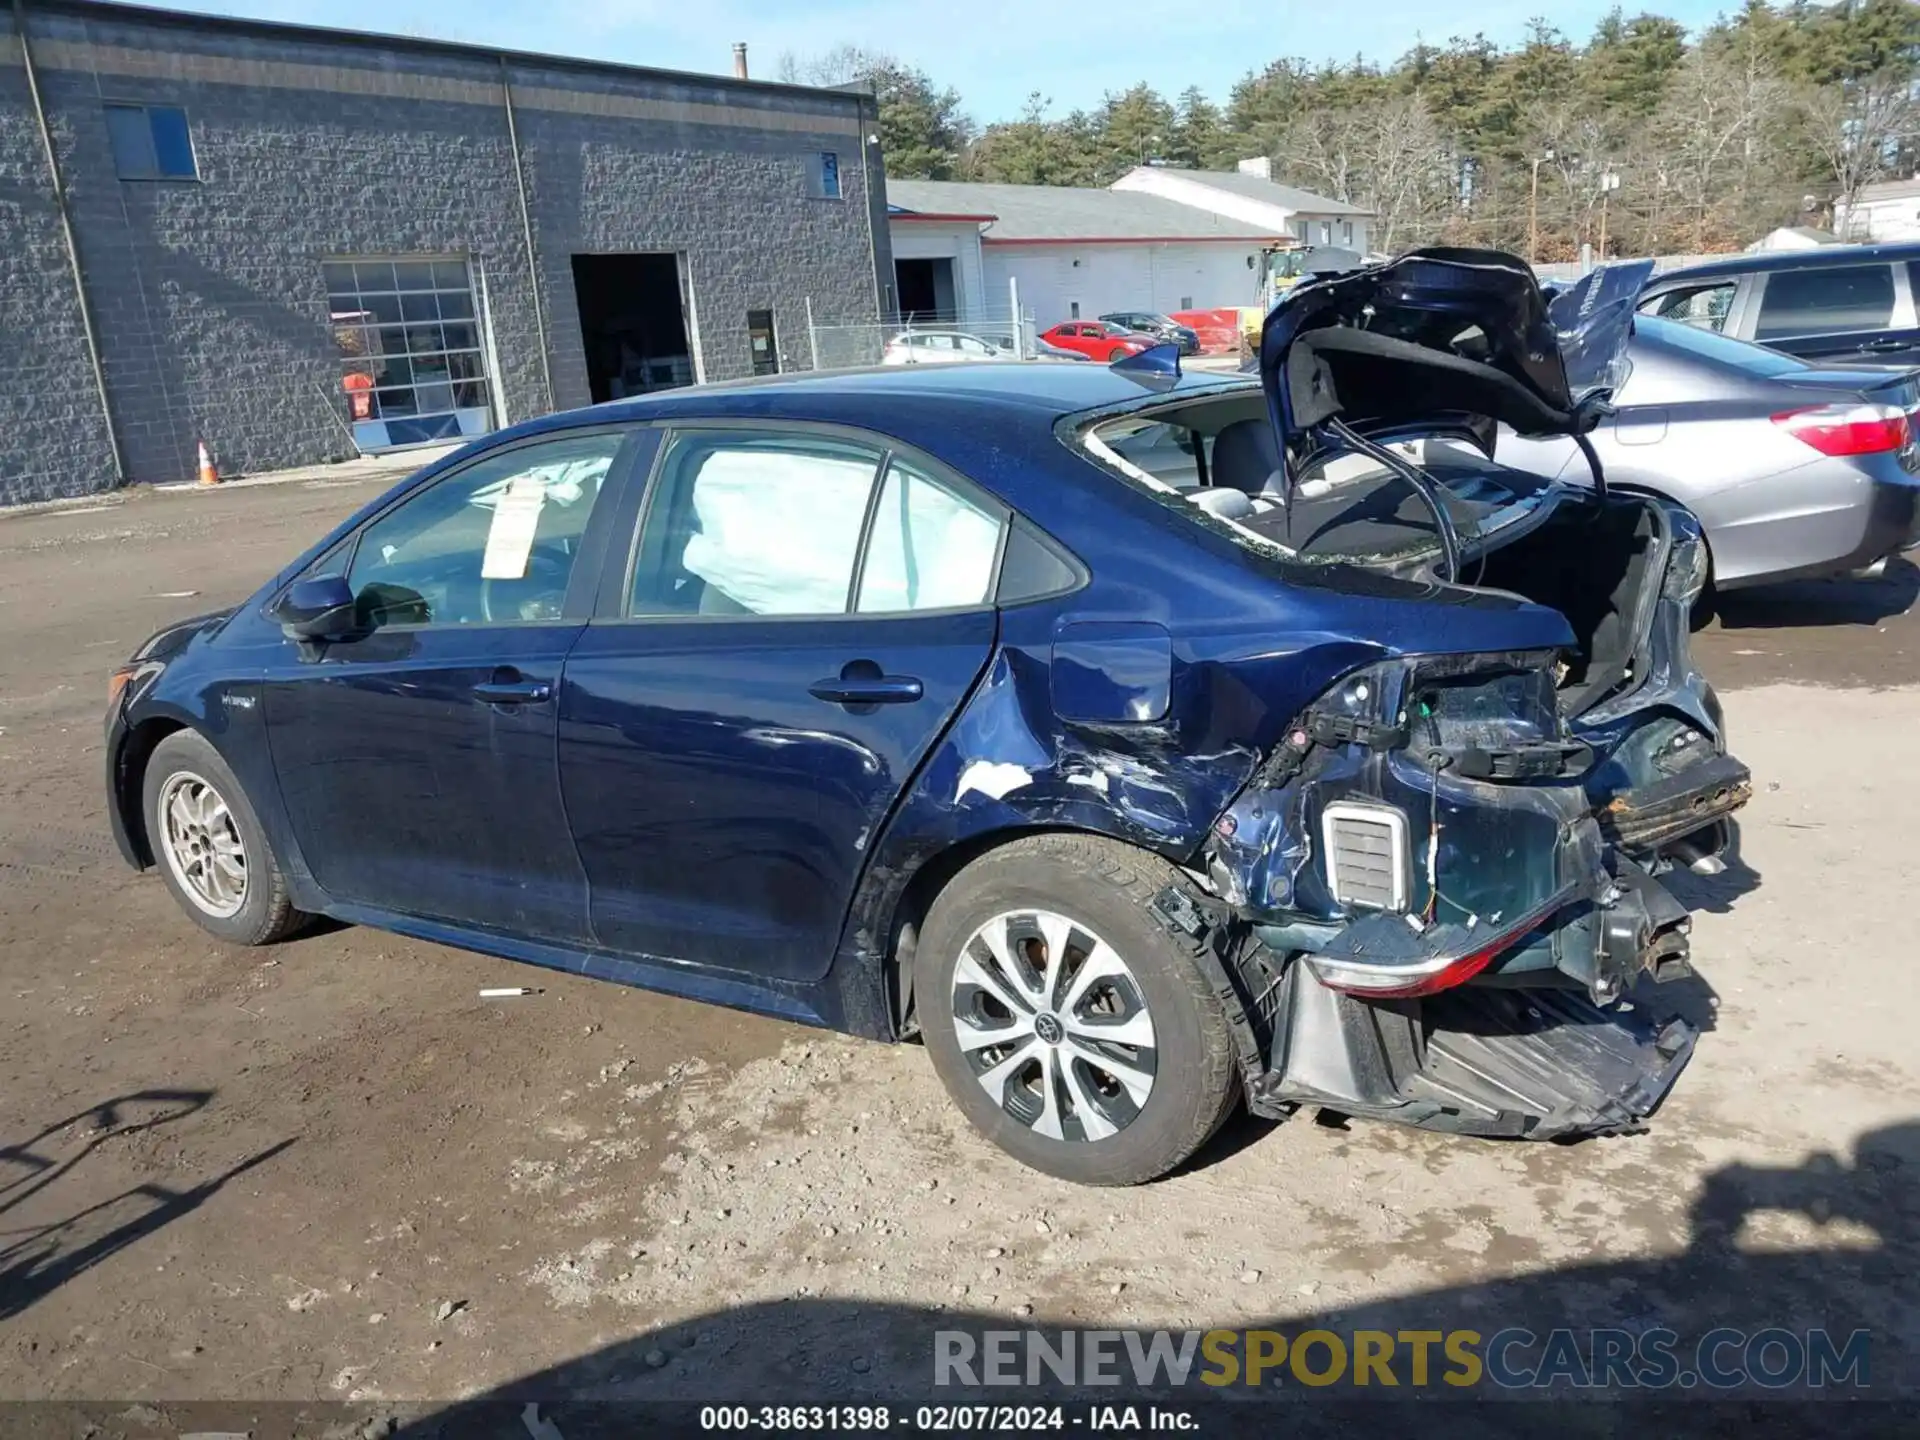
[(208, 475)]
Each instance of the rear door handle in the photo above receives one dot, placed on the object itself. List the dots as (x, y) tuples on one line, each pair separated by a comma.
[(510, 687), (868, 690)]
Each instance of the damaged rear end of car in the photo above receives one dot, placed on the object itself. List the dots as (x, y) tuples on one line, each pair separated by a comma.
[(1439, 898)]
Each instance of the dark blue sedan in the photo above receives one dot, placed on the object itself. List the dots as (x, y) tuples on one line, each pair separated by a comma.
[(1134, 739)]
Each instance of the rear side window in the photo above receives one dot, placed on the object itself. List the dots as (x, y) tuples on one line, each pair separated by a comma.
[(931, 547), (744, 524), (1704, 307), (1826, 302), (772, 523), (1032, 569)]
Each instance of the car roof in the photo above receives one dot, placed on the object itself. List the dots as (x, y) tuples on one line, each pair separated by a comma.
[(1819, 257), (974, 390)]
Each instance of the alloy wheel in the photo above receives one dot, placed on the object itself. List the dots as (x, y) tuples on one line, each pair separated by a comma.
[(202, 844), (1054, 1026)]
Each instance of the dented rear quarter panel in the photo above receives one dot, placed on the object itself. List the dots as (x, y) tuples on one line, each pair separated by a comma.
[(1141, 704)]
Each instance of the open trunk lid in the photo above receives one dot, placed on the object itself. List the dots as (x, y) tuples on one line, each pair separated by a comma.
[(1444, 337)]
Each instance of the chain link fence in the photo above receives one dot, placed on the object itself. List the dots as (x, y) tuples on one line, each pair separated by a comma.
[(1562, 271), (920, 340)]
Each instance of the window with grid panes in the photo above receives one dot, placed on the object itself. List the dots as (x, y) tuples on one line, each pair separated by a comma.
[(412, 365)]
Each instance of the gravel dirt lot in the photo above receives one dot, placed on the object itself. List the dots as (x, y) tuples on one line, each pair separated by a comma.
[(328, 1171)]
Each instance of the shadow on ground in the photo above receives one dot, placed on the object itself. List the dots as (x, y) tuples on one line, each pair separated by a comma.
[(1860, 1276), (1716, 894), (38, 1257), (1844, 601)]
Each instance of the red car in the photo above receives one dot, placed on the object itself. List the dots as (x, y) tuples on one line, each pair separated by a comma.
[(1096, 339)]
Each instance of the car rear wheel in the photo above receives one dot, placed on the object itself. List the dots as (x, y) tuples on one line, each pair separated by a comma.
[(209, 847), (1070, 1026)]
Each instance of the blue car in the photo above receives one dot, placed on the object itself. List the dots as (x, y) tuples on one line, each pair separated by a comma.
[(1141, 742)]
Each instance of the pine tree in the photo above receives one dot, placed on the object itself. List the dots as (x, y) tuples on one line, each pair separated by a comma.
[(1199, 138)]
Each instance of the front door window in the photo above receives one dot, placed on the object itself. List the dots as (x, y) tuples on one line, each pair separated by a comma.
[(491, 544)]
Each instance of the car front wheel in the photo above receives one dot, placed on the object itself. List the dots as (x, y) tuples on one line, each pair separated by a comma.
[(1071, 1027), (209, 846)]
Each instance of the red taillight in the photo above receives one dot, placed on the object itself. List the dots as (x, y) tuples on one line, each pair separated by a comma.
[(1457, 973), (1381, 983), (1848, 429)]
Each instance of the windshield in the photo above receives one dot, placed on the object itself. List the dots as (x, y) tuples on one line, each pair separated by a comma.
[(1724, 349)]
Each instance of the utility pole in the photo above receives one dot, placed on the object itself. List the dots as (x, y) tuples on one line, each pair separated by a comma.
[(1609, 182), (1533, 210)]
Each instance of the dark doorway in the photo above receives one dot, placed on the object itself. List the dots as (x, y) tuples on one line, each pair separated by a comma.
[(926, 291), (762, 344), (633, 324)]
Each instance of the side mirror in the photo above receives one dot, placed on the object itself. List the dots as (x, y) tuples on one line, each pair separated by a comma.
[(318, 609)]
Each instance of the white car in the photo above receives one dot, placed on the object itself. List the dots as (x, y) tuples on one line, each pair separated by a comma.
[(941, 347)]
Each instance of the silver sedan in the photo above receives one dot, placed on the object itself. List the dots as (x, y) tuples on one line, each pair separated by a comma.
[(1794, 469)]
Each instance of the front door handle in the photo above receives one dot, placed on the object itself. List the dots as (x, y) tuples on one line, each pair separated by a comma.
[(867, 689), (1887, 342), (510, 687)]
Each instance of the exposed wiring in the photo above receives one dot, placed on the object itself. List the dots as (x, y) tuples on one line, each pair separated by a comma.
[(1434, 897), (1433, 842)]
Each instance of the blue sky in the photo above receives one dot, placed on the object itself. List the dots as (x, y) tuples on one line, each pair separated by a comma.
[(993, 51)]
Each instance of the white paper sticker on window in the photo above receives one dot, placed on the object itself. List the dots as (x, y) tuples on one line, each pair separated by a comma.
[(516, 516)]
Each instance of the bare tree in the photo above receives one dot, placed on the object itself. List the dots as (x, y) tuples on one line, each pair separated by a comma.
[(1318, 150), (1413, 173), (1721, 128), (837, 66), (1857, 127), (1389, 156), (1577, 149)]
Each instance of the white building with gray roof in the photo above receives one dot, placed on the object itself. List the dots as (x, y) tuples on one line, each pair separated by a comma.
[(1160, 239)]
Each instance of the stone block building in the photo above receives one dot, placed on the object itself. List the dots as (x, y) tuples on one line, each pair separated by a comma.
[(291, 243)]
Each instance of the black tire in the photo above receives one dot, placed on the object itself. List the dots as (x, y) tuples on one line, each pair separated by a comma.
[(265, 911), (1104, 886)]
